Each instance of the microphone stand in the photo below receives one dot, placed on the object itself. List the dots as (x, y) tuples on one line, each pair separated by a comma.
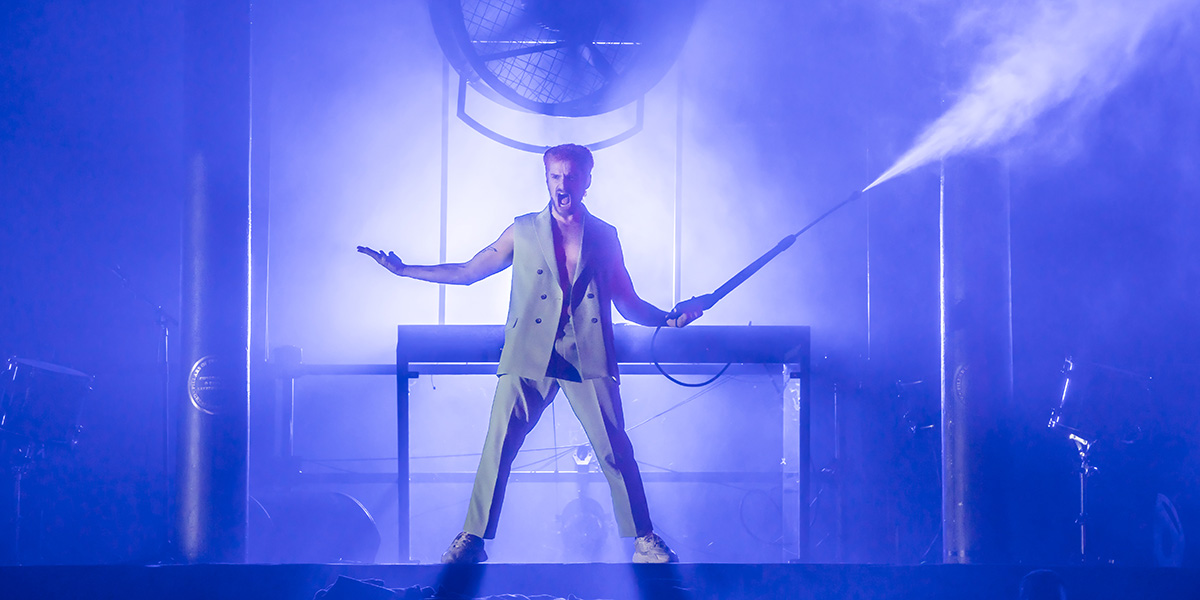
[(165, 322)]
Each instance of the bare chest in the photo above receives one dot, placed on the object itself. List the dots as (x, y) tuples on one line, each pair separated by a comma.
[(568, 243)]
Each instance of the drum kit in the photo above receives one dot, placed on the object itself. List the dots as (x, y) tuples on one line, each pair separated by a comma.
[(40, 405)]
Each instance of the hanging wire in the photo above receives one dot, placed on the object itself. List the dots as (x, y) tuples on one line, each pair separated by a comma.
[(654, 359), (678, 405)]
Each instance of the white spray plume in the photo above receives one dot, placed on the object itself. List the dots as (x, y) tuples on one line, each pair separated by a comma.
[(1067, 49)]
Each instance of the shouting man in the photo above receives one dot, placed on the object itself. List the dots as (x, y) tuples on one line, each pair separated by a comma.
[(568, 270)]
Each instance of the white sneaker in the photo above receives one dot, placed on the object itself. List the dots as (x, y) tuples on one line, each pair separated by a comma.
[(652, 549)]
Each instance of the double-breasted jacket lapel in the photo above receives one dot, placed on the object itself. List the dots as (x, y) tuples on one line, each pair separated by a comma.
[(545, 238), (585, 247)]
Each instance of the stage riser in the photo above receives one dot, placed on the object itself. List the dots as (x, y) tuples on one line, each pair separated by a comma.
[(592, 581)]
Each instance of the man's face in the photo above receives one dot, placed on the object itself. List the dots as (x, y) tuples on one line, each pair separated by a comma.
[(567, 183)]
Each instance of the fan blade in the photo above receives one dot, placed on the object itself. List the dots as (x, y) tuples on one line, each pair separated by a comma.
[(506, 31), (534, 49), (591, 53)]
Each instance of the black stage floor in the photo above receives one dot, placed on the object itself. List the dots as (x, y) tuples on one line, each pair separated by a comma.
[(584, 581)]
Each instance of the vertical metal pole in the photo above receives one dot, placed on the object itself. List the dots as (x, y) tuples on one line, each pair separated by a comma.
[(403, 490), (867, 199), (213, 437), (1084, 468), (260, 180), (168, 438), (677, 266), (976, 359), (287, 361), (445, 195), (839, 478), (265, 463), (18, 472), (804, 476)]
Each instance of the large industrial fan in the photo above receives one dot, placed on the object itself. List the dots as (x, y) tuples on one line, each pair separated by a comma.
[(569, 58)]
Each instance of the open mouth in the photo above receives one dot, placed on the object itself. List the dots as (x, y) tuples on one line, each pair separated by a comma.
[(562, 197)]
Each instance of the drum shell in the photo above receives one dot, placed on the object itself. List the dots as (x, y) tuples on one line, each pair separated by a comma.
[(41, 401), (1099, 402)]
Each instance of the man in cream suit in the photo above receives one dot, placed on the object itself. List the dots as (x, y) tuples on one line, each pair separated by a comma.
[(568, 271)]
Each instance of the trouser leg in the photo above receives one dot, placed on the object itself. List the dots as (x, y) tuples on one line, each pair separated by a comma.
[(597, 405), (518, 404)]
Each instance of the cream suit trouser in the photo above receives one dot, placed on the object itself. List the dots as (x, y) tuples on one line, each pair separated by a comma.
[(518, 404)]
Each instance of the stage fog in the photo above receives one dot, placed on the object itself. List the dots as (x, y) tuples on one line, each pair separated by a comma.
[(771, 114)]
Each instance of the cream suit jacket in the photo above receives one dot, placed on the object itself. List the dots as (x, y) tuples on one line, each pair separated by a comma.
[(536, 300)]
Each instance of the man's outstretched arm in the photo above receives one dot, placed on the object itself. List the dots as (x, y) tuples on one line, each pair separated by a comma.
[(491, 260), (633, 307)]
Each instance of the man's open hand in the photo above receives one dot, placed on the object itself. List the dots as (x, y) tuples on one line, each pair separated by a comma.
[(389, 261)]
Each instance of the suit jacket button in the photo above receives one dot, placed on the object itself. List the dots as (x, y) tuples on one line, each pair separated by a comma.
[(539, 271), (595, 320), (591, 295), (543, 296), (537, 320)]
